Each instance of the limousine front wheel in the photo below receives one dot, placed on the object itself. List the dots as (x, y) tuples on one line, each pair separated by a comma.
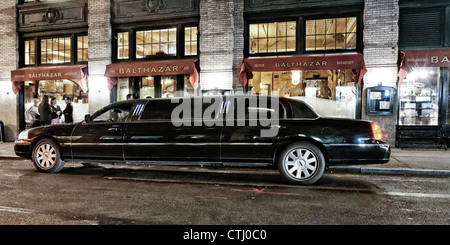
[(47, 156), (301, 163)]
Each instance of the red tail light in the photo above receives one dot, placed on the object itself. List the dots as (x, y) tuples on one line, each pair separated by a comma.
[(376, 130)]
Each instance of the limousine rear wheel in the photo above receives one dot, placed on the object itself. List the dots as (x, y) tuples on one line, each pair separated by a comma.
[(47, 156), (301, 163)]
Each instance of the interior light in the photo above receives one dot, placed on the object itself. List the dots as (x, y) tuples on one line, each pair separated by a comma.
[(295, 77)]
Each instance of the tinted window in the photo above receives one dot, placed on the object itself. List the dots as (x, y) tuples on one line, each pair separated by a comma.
[(300, 109), (201, 108), (159, 109), (253, 108)]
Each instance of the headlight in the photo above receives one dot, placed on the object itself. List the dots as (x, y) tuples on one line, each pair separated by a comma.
[(23, 135)]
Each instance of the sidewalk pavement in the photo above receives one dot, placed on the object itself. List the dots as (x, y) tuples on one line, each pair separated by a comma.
[(410, 161)]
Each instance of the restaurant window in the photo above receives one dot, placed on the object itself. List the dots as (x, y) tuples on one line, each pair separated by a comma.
[(419, 97), (123, 45), (190, 41), (156, 42), (273, 37), (34, 92), (331, 34), (331, 93), (82, 48), (30, 47), (55, 50), (147, 88)]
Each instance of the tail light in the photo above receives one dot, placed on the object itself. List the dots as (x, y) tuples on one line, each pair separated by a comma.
[(376, 130)]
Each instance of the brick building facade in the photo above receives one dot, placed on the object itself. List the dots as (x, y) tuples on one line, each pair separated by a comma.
[(223, 43)]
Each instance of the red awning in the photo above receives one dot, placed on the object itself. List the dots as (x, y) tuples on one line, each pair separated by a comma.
[(152, 68), (354, 61), (410, 59), (77, 73)]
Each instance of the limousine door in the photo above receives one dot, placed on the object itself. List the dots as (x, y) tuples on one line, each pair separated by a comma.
[(160, 137), (101, 137), (243, 135)]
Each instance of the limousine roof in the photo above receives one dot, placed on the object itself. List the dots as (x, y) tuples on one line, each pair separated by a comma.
[(297, 107)]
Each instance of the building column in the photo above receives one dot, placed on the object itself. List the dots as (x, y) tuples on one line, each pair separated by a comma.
[(9, 114), (381, 55), (100, 34), (221, 44)]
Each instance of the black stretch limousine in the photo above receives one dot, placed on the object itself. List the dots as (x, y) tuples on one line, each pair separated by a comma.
[(243, 131)]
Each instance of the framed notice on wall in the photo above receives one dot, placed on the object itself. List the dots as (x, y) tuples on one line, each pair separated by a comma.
[(380, 100)]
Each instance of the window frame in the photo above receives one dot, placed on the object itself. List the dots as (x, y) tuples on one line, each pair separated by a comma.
[(24, 52), (37, 50), (301, 19), (190, 42), (77, 49), (132, 42), (160, 43), (247, 36), (325, 34), (276, 37)]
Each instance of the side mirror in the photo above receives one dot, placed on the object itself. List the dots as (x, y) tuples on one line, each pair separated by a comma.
[(87, 118)]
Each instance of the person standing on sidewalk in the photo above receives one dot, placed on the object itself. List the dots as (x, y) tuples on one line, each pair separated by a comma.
[(45, 111), (68, 111), (33, 111), (56, 111)]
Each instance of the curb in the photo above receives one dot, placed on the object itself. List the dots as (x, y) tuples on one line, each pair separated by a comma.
[(10, 157), (400, 171)]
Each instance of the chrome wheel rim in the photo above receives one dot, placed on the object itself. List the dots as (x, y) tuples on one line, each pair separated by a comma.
[(300, 163), (46, 156)]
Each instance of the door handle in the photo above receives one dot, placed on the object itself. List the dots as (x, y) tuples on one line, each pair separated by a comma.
[(113, 129)]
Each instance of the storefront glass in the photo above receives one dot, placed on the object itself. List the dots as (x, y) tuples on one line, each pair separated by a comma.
[(147, 88), (419, 97), (58, 89), (154, 87), (332, 93), (168, 86)]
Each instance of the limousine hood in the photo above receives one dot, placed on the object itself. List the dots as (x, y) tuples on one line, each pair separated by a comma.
[(56, 131)]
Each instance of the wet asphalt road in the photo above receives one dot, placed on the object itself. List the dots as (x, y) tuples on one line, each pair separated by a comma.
[(184, 196)]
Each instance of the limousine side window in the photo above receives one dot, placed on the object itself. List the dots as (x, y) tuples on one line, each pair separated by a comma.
[(113, 113), (247, 109), (159, 109), (301, 110), (162, 109)]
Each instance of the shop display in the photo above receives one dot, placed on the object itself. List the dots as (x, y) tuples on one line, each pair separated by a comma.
[(419, 97)]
